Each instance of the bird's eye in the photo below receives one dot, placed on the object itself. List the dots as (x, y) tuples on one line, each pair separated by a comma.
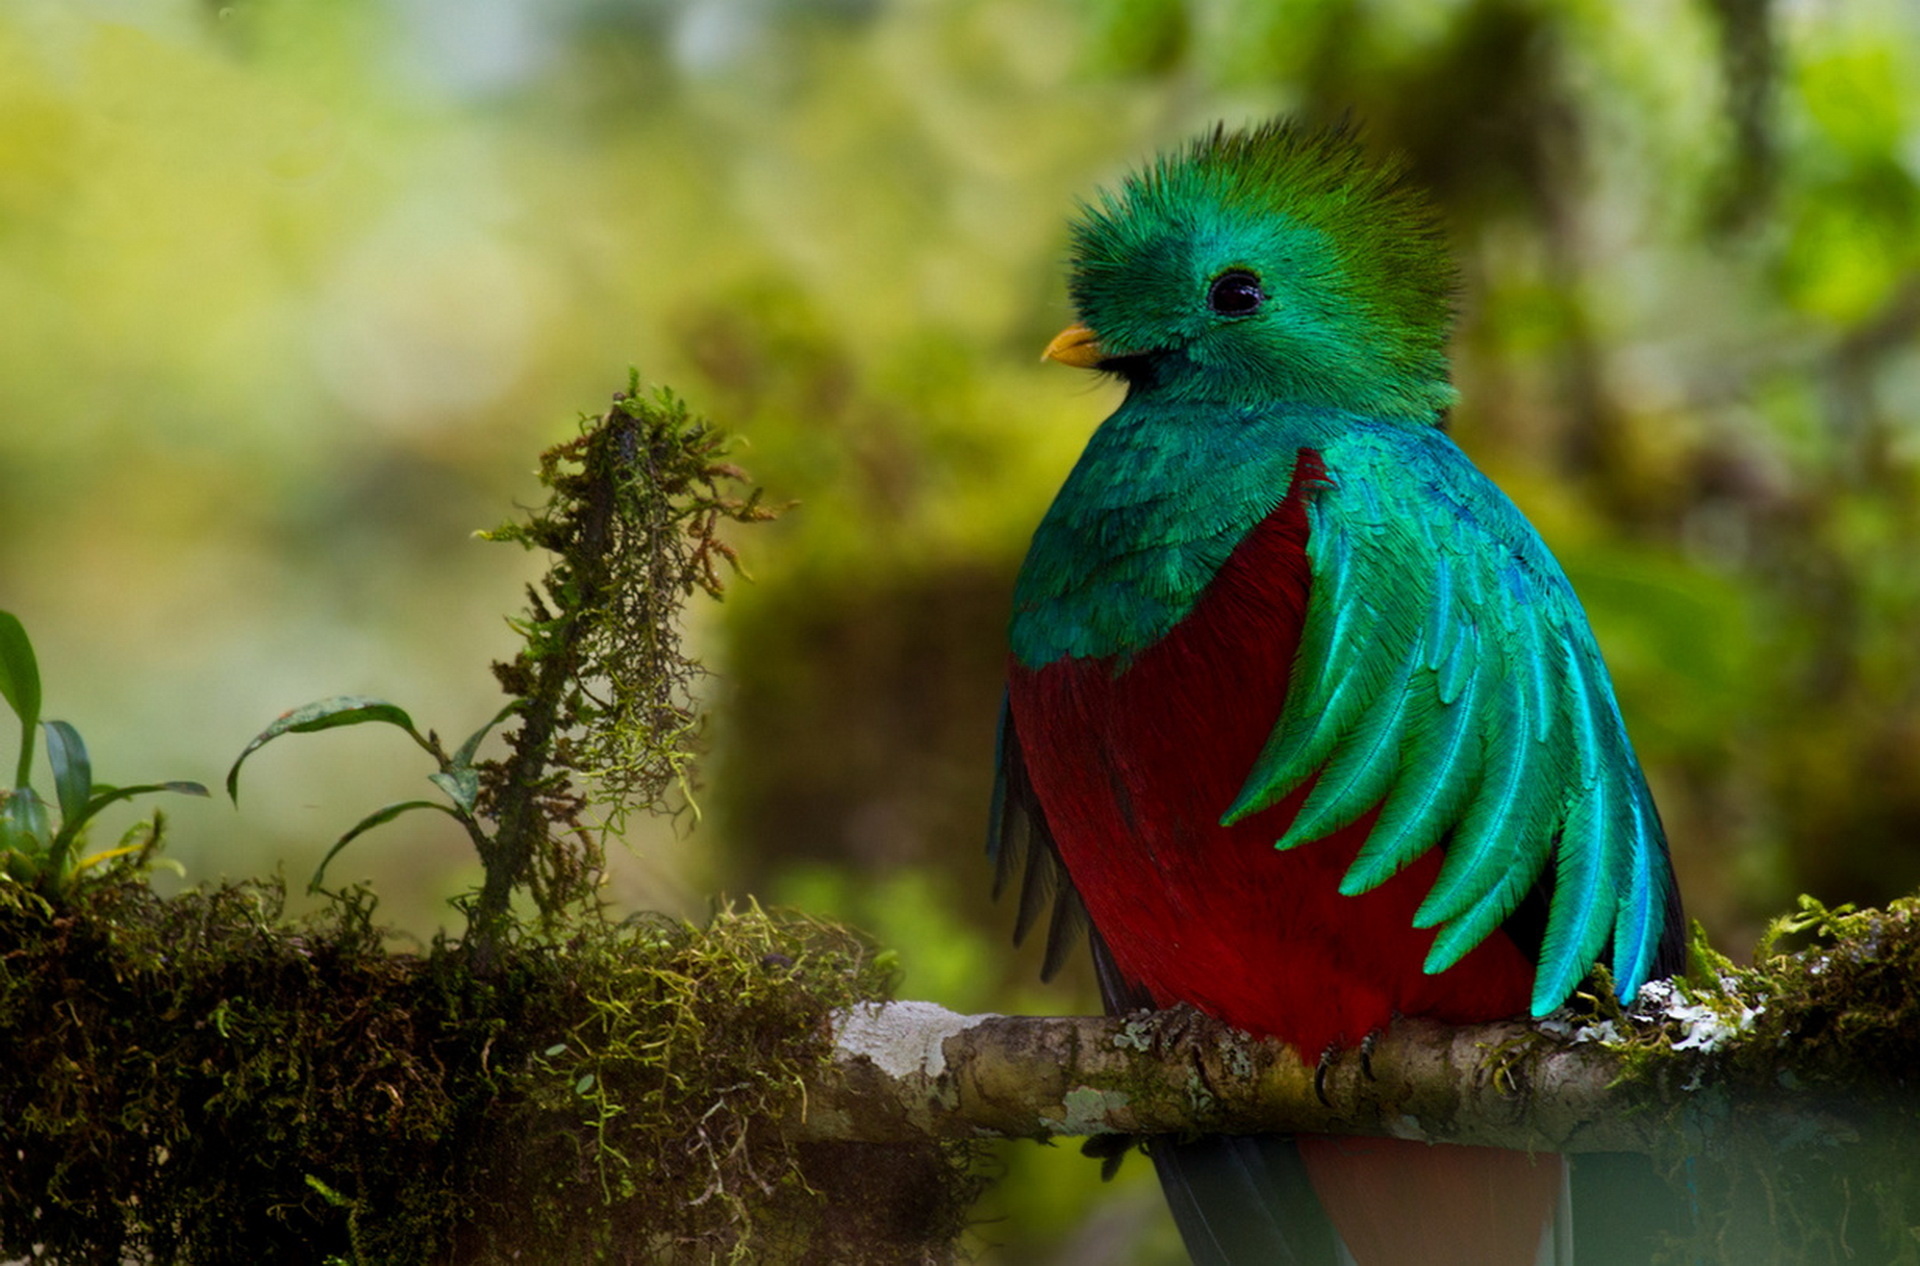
[(1236, 293)]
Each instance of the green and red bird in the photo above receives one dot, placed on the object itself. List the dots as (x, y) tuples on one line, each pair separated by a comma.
[(1301, 713)]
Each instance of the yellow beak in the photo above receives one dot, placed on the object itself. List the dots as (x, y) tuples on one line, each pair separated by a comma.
[(1077, 346)]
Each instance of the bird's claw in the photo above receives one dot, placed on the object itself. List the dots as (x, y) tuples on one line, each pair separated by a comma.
[(1320, 1073)]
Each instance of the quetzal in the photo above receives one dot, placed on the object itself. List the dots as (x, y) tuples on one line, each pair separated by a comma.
[(1301, 713)]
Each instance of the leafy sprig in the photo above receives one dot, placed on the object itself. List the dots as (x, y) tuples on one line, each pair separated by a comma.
[(457, 775), (34, 849), (602, 688)]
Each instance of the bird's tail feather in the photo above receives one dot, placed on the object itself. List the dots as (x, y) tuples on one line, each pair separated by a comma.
[(1396, 1200), (1240, 1200)]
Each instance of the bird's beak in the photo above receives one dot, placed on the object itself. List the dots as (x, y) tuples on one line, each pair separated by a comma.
[(1077, 346)]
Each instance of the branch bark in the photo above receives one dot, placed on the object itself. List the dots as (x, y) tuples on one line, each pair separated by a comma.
[(908, 1070)]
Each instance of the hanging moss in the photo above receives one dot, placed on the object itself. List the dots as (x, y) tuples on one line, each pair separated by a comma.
[(194, 1080)]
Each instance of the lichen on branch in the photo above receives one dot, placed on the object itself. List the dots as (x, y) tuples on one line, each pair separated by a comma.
[(1779, 1099)]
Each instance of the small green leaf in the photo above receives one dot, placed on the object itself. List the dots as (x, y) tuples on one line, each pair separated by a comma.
[(464, 757), (26, 814), (71, 825), (13, 840), (72, 771), (104, 795), (20, 863), (558, 1048), (458, 778), (462, 785), (376, 818), (326, 714), (20, 686), (585, 1084)]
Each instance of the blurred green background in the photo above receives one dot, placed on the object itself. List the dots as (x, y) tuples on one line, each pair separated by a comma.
[(291, 294)]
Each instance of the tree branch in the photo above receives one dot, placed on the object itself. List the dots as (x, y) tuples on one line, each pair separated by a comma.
[(909, 1070)]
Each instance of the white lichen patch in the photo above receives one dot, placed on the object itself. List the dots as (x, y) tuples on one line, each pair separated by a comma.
[(1705, 1026), (1560, 1024), (1088, 1111), (901, 1038), (1407, 1126), (1707, 1029), (1603, 1032), (1135, 1034)]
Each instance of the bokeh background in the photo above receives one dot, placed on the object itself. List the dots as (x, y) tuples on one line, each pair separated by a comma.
[(291, 293)]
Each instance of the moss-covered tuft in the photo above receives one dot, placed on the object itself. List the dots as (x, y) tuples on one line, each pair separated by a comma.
[(602, 687), (1835, 1022), (192, 1080)]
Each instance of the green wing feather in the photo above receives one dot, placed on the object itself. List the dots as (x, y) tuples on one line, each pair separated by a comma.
[(1447, 675)]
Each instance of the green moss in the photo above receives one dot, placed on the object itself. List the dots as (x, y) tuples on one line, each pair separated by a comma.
[(601, 685), (1836, 1022), (192, 1080)]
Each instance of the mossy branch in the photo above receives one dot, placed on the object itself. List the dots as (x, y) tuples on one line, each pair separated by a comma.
[(604, 690), (653, 1091), (197, 1080), (1819, 1045), (911, 1070), (1781, 1099)]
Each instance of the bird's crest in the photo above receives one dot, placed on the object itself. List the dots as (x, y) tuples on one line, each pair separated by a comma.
[(1361, 246)]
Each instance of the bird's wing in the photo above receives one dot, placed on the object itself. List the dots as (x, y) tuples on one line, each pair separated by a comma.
[(1018, 839), (1447, 675)]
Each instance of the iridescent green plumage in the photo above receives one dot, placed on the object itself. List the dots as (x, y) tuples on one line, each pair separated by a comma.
[(1362, 287), (1302, 715), (1446, 673)]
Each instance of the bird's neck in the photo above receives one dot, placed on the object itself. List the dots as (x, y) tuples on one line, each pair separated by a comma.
[(1332, 377)]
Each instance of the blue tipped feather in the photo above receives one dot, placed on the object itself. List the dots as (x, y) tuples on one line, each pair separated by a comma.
[(1423, 802), (1268, 294), (1447, 674), (1360, 772)]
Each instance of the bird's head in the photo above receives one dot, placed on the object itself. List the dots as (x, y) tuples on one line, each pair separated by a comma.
[(1278, 264)]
